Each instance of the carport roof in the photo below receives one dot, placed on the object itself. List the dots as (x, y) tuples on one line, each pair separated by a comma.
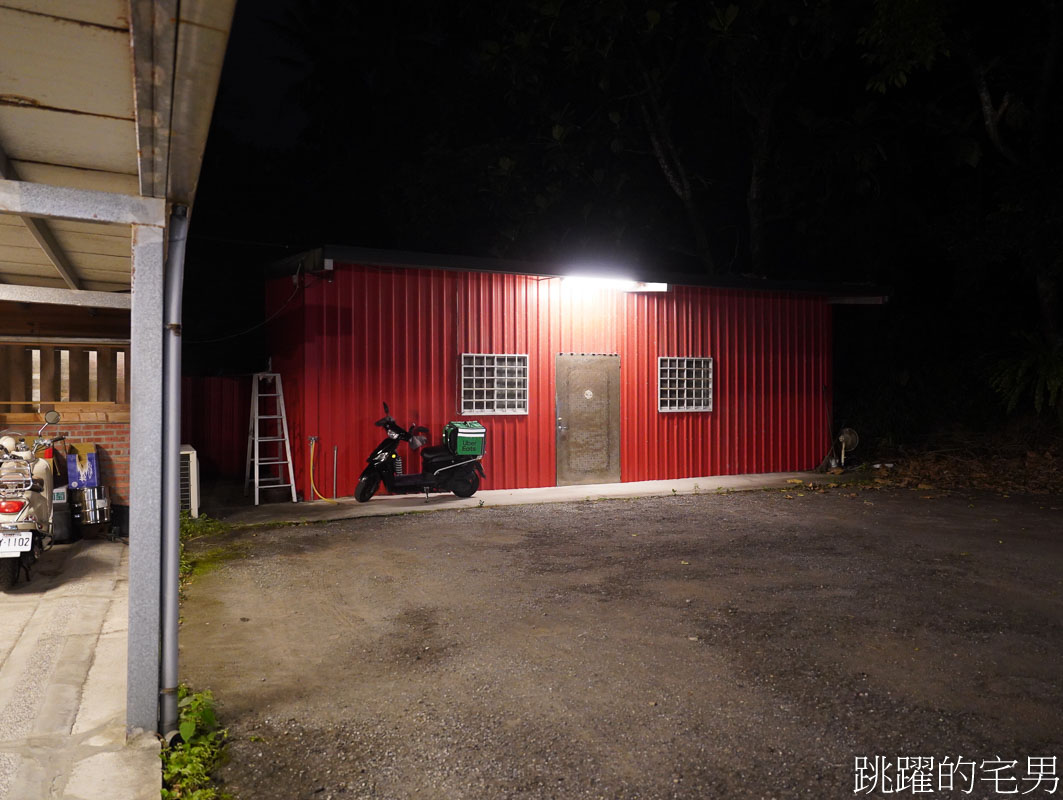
[(106, 95)]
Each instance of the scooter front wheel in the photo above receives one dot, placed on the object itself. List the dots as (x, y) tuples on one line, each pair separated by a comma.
[(465, 485), (367, 485)]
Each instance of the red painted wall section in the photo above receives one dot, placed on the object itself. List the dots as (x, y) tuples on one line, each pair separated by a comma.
[(288, 353), (385, 333), (214, 417), (771, 383)]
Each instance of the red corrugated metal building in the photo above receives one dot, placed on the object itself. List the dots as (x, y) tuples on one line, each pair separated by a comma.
[(214, 415), (692, 381)]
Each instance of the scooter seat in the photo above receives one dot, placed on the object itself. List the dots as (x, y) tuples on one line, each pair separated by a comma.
[(435, 452)]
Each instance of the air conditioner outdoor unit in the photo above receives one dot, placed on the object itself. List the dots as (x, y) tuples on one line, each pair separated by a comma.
[(189, 480)]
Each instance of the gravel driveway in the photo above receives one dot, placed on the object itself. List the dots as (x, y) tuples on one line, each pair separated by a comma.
[(713, 646)]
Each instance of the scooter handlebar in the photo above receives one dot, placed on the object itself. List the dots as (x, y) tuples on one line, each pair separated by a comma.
[(44, 444)]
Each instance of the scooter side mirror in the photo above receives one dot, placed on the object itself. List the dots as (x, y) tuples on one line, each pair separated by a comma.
[(387, 411), (50, 418)]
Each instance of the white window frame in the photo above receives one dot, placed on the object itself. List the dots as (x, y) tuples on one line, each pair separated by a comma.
[(473, 388), (677, 389)]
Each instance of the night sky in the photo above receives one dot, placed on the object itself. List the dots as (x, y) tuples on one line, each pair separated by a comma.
[(905, 145)]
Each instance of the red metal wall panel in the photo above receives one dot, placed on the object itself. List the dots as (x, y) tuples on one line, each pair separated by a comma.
[(214, 416), (771, 383), (371, 334)]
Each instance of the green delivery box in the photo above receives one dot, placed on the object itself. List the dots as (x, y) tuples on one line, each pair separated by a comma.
[(464, 438)]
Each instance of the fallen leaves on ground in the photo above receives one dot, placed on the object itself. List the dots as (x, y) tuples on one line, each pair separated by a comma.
[(933, 473), (1030, 473)]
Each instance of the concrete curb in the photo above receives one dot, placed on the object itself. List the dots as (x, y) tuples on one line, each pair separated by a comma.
[(390, 505)]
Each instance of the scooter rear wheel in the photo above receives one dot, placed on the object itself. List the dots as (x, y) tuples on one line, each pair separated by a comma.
[(465, 485), (367, 485), (9, 569)]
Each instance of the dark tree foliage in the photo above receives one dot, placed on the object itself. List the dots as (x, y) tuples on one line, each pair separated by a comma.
[(629, 129), (980, 85), (911, 143)]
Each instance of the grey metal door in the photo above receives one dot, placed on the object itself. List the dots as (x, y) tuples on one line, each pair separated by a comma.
[(588, 418)]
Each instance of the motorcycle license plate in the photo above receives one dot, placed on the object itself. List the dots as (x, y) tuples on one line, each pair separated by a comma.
[(13, 544)]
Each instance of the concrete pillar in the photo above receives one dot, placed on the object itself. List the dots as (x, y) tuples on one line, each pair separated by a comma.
[(147, 216), (145, 479)]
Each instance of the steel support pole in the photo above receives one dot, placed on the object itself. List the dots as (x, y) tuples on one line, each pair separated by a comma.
[(171, 467), (145, 477)]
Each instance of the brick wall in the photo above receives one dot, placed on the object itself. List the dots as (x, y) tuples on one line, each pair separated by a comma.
[(112, 446)]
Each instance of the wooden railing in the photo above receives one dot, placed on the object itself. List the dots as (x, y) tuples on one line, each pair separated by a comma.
[(83, 381)]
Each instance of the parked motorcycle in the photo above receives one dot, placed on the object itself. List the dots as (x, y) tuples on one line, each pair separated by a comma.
[(25, 501), (450, 467)]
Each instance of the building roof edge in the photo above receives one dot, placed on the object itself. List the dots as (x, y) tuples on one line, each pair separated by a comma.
[(322, 258)]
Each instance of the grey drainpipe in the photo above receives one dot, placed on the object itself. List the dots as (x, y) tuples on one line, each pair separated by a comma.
[(171, 466)]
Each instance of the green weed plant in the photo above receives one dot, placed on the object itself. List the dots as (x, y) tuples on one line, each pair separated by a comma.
[(188, 762)]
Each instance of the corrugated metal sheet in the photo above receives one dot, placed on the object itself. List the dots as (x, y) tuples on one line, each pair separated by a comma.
[(66, 96), (772, 370), (372, 334), (72, 101), (214, 415)]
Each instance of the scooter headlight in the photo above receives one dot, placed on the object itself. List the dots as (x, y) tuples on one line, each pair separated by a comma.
[(393, 434)]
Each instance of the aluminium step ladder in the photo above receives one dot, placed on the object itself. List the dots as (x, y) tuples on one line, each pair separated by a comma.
[(266, 431)]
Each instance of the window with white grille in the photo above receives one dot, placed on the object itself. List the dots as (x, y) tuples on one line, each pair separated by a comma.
[(494, 384), (684, 384)]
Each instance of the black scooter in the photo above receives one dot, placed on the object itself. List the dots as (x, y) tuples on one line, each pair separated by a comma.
[(442, 470)]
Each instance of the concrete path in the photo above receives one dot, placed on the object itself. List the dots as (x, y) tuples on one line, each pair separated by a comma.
[(385, 505), (63, 683)]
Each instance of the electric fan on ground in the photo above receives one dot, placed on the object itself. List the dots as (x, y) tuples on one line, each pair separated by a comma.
[(849, 440)]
